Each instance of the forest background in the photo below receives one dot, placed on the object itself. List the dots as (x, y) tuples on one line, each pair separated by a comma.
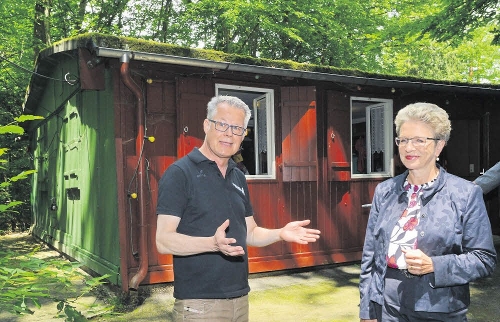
[(446, 40)]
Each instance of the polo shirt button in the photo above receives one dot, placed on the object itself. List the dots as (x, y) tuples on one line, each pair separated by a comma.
[(422, 234), (424, 215)]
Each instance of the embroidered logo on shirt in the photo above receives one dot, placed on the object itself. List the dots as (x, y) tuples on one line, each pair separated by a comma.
[(201, 174), (239, 188)]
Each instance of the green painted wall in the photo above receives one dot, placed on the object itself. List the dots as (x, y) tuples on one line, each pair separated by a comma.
[(74, 154)]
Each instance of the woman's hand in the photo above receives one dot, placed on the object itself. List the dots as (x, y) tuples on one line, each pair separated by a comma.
[(417, 262)]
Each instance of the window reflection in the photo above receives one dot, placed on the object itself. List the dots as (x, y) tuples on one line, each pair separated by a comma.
[(371, 121)]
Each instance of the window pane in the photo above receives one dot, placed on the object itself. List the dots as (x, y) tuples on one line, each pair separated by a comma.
[(359, 156), (260, 113), (358, 128), (377, 139), (371, 136)]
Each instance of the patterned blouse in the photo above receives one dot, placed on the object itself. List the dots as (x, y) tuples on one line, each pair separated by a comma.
[(405, 233)]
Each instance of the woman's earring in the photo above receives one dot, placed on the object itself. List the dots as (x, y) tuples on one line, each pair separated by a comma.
[(437, 159)]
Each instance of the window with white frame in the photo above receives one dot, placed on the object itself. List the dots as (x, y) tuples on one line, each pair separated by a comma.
[(256, 156), (371, 137)]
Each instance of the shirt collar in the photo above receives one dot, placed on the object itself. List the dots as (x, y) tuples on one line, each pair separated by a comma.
[(197, 157), (427, 194)]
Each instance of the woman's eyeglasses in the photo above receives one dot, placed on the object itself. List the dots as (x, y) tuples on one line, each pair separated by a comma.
[(416, 141)]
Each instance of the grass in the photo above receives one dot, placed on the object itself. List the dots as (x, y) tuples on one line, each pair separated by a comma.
[(322, 301)]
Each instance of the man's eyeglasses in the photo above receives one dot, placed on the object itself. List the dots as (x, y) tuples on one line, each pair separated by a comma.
[(416, 141), (222, 127)]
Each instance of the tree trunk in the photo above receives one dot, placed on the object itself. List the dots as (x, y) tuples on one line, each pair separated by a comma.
[(41, 26)]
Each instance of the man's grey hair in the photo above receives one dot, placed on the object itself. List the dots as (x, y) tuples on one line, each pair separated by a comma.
[(230, 100)]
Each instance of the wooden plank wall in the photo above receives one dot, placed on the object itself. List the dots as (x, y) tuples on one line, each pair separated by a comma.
[(176, 108)]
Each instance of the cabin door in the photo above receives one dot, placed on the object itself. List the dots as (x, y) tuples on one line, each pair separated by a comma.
[(462, 153)]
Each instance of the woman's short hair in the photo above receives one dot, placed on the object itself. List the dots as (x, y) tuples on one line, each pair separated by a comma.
[(431, 114), (230, 100)]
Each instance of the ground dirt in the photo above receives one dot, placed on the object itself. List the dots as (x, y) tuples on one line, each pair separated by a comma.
[(329, 293)]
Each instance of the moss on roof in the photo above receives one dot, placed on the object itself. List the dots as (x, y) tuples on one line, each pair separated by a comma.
[(149, 46)]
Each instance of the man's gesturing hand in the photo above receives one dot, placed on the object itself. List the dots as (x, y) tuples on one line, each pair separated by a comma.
[(296, 232), (222, 244)]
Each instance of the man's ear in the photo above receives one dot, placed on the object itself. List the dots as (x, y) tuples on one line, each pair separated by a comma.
[(206, 125)]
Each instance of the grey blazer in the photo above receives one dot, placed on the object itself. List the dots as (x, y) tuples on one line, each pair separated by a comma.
[(490, 179), (454, 230)]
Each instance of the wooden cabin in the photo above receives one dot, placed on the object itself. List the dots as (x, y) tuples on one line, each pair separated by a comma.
[(118, 111)]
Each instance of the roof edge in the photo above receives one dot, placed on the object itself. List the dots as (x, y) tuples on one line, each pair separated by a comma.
[(151, 51)]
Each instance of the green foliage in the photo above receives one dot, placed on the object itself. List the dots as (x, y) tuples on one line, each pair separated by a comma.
[(407, 49), (26, 280), (317, 32), (10, 218), (16, 282), (456, 20), (382, 36)]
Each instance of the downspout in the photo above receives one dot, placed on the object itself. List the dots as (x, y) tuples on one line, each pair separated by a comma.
[(139, 145)]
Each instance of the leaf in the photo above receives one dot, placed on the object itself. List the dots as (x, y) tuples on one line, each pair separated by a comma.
[(73, 314), (21, 310), (14, 129), (97, 280), (24, 118), (4, 184), (60, 306), (9, 205), (36, 302), (65, 266), (22, 175)]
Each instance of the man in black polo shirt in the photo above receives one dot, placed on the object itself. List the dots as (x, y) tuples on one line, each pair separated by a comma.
[(205, 220)]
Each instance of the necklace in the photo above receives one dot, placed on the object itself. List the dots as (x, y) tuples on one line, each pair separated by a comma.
[(421, 185)]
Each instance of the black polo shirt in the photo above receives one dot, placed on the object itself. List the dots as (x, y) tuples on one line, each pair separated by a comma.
[(194, 189)]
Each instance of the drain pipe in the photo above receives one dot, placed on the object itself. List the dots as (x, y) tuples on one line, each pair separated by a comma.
[(139, 143)]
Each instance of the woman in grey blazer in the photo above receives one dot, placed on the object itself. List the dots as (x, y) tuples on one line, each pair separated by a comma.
[(428, 232)]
